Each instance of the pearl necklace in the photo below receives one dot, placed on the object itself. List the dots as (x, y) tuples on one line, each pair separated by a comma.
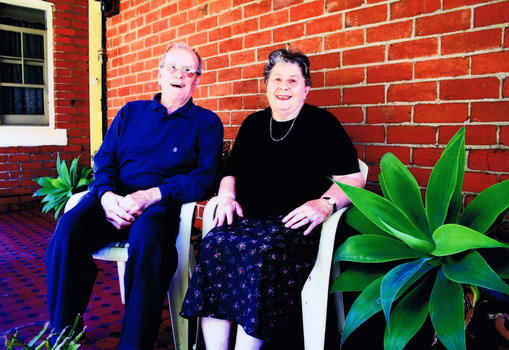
[(288, 132)]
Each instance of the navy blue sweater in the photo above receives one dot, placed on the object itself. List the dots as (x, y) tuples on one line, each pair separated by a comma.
[(145, 147)]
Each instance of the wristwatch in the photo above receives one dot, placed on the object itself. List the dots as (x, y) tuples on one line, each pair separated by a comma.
[(332, 202)]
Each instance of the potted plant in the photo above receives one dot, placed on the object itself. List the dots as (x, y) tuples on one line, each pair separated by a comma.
[(66, 340), (419, 259), (57, 191)]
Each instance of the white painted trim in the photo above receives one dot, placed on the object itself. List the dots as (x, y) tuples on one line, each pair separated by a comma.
[(32, 136)]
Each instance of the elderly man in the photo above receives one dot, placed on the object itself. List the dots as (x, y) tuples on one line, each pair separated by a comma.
[(156, 155)]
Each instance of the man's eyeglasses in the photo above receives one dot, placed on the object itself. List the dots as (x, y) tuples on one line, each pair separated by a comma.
[(186, 70)]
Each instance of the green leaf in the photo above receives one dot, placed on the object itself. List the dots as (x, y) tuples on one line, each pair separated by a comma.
[(383, 213), (374, 249), (446, 312), (383, 187), (366, 305), (484, 210), (73, 172), (403, 190), (63, 172), (456, 203), (43, 181), (408, 316), (471, 268), (442, 184), (358, 277), (452, 239), (58, 183), (393, 283), (359, 222), (498, 260)]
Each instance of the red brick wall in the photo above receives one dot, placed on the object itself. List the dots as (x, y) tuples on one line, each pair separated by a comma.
[(402, 76), (19, 165)]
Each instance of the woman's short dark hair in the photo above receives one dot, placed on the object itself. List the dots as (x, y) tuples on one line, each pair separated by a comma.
[(293, 57)]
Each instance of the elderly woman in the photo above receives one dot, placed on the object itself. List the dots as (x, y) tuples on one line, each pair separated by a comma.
[(276, 193)]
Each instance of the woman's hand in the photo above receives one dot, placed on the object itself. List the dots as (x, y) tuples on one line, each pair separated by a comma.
[(313, 213), (226, 209)]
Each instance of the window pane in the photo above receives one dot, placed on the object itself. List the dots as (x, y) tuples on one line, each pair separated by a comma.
[(33, 46), (34, 75), (10, 73), (15, 100), (10, 44)]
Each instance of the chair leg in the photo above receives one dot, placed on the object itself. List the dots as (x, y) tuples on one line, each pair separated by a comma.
[(338, 300), (121, 272)]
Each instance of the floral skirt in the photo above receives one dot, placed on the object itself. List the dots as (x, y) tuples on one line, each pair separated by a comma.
[(252, 273)]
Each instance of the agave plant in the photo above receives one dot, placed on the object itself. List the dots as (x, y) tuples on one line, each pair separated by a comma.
[(66, 340), (417, 259), (57, 191)]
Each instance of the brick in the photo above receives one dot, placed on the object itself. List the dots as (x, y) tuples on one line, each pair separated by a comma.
[(478, 181), (471, 41), (487, 112), (344, 39), (273, 19), (474, 135), (291, 32), (332, 23), (308, 45), (341, 5), (329, 97), (244, 27), (221, 89), (388, 114), (449, 67), (413, 49), (229, 74), (425, 135), (441, 113), (229, 17), (465, 89), (412, 8), (230, 103), (364, 95), (495, 62), (218, 6), (235, 44), (443, 23), (496, 160), (9, 184), (411, 92), (372, 54), (366, 133), (491, 14), (389, 72), (306, 11), (374, 153), (426, 156), (504, 135), (391, 31), (348, 114), (365, 16), (245, 87), (324, 61), (257, 8), (421, 175), (345, 76), (258, 39), (318, 79)]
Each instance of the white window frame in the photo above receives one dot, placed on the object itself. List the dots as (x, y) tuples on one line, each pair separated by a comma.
[(14, 135)]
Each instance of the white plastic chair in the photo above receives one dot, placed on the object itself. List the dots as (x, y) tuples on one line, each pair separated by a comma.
[(316, 289), (117, 251)]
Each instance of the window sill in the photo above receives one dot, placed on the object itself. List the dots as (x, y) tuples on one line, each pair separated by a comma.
[(32, 136)]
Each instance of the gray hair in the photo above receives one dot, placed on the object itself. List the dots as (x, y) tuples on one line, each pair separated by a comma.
[(181, 45), (286, 56)]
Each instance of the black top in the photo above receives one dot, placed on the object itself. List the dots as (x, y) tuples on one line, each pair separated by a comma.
[(273, 178)]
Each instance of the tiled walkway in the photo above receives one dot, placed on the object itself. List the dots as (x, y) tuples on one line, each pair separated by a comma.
[(24, 236)]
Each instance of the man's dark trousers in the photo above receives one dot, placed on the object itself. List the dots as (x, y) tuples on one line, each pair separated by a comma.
[(71, 271)]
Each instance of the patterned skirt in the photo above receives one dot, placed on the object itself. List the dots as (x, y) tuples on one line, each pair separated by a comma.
[(252, 273)]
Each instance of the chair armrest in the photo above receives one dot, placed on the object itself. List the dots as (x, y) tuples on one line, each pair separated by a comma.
[(209, 214)]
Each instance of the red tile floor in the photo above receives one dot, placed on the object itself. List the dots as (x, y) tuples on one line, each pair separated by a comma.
[(24, 236)]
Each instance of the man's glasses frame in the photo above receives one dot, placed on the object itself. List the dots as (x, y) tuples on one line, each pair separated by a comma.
[(187, 71)]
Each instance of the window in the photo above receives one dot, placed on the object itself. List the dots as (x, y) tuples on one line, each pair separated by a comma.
[(26, 78)]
